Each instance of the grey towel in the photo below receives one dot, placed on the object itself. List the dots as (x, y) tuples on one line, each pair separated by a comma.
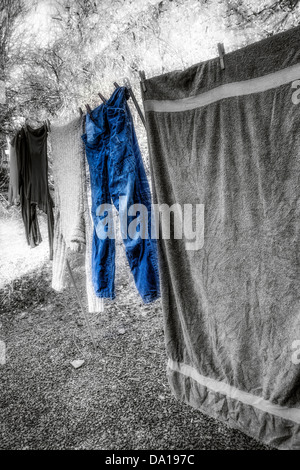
[(230, 139)]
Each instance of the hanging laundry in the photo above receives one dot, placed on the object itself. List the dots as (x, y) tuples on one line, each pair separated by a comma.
[(31, 149), (72, 219), (229, 140), (13, 191), (116, 170)]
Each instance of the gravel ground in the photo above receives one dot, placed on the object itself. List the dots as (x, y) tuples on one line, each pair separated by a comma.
[(118, 400)]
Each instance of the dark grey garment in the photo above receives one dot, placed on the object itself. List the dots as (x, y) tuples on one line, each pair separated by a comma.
[(31, 149), (230, 139)]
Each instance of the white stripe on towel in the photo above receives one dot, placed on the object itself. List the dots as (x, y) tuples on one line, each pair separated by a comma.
[(229, 90), (292, 414)]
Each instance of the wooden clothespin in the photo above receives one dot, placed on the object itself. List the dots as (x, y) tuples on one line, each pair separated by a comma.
[(80, 111), (221, 51), (88, 109), (102, 97), (116, 85), (132, 95), (143, 78), (48, 125)]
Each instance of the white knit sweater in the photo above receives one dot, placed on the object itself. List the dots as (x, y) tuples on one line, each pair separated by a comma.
[(72, 221)]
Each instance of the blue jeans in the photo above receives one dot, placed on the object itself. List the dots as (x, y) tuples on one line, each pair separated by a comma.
[(117, 174)]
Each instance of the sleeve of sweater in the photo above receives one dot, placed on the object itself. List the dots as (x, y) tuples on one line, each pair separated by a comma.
[(59, 256), (95, 304)]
